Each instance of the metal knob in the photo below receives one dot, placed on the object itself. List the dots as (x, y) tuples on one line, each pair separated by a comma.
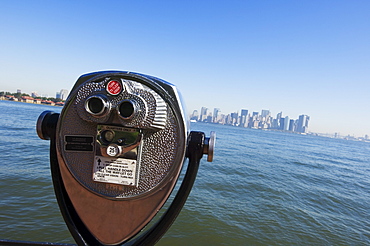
[(209, 146)]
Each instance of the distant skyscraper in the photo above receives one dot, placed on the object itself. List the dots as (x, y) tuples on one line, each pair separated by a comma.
[(222, 119), (286, 123), (63, 94), (275, 124), (243, 118), (302, 126), (291, 125), (228, 120), (216, 115), (209, 118), (194, 116), (203, 114), (281, 123), (265, 113), (234, 117), (278, 121)]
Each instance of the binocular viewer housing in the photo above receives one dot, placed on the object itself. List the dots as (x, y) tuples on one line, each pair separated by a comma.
[(117, 149)]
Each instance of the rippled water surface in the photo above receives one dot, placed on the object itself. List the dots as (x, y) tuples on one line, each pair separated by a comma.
[(263, 188)]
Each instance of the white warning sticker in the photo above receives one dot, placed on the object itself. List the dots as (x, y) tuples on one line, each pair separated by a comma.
[(115, 170)]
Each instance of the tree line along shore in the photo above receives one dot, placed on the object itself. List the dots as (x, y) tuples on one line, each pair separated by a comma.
[(17, 97)]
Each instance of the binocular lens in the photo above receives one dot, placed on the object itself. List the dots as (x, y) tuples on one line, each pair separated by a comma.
[(126, 109), (96, 106)]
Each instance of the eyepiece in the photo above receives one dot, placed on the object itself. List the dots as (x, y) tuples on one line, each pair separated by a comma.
[(126, 109), (46, 124), (98, 106)]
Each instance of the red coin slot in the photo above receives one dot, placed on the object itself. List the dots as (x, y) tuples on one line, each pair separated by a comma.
[(114, 87)]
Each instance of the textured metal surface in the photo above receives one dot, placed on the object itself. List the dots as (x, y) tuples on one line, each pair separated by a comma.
[(162, 147), (152, 108)]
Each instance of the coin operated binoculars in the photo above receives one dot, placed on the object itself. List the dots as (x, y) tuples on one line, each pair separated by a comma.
[(116, 152)]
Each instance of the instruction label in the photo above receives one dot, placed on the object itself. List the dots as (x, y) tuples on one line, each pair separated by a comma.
[(115, 170)]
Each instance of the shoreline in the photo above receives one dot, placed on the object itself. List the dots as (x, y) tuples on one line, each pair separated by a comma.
[(33, 101)]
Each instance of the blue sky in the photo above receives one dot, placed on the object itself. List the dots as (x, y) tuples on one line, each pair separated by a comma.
[(298, 57)]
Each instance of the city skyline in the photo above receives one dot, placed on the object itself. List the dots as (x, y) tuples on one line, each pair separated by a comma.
[(263, 120), (253, 119)]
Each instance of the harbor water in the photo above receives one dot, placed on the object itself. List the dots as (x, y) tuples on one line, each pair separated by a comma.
[(262, 188)]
